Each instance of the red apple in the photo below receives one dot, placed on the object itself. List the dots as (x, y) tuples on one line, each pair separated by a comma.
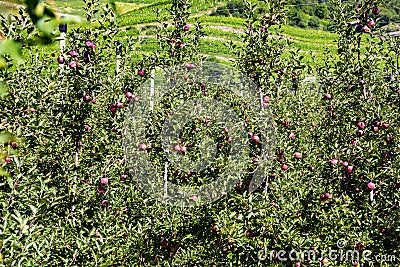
[(73, 64), (104, 181), (328, 195), (371, 23), (73, 53), (104, 203), (334, 161), (88, 128), (177, 148), (141, 73), (186, 27), (361, 125), (14, 145), (189, 66), (100, 190), (297, 155), (143, 147), (215, 228), (349, 169), (371, 185), (324, 261), (9, 160), (255, 160), (355, 263), (345, 163), (298, 264), (255, 138), (129, 95), (284, 167), (376, 10), (60, 59), (113, 108), (266, 99), (328, 96), (89, 44), (87, 98), (291, 136), (119, 105), (183, 149)]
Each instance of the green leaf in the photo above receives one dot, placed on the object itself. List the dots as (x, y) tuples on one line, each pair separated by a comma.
[(11, 48)]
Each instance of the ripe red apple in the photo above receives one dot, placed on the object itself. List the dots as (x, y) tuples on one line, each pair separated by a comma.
[(215, 228), (355, 263), (371, 185), (297, 155), (284, 167), (255, 138), (129, 95), (183, 149), (324, 261), (9, 160), (189, 66), (266, 99), (249, 233), (328, 96), (291, 136), (255, 160), (141, 73), (229, 140), (73, 64), (322, 197), (73, 53), (143, 147), (226, 129), (14, 145), (386, 125), (349, 169), (87, 98), (177, 148), (186, 27), (119, 105), (100, 190), (104, 203), (89, 44), (371, 23), (328, 195), (60, 59), (376, 10), (345, 163), (181, 46), (334, 161), (94, 100), (113, 108), (298, 264), (104, 181), (361, 125)]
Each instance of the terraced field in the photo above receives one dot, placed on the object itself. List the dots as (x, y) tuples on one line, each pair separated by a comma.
[(139, 18)]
